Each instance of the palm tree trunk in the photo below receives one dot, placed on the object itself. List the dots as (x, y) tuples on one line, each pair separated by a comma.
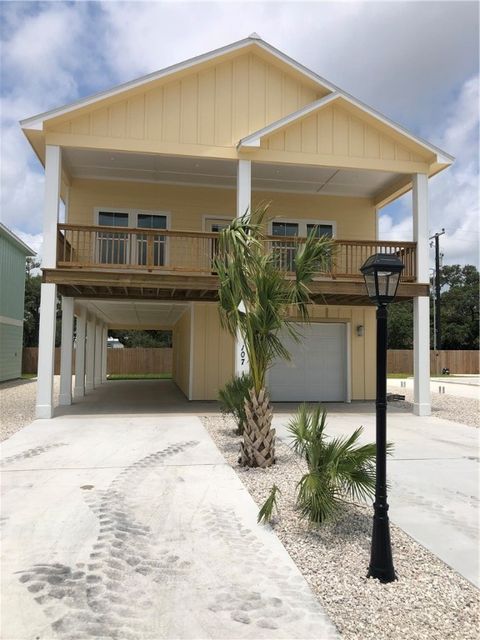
[(258, 446)]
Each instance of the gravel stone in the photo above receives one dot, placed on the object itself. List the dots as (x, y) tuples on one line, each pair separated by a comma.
[(17, 404), (429, 600), (462, 410)]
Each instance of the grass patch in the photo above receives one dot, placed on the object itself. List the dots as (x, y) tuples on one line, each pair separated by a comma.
[(399, 375), (28, 376), (140, 376)]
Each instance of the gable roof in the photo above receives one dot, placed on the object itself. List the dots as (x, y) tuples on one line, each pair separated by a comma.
[(253, 42), (5, 231), (256, 44), (253, 140)]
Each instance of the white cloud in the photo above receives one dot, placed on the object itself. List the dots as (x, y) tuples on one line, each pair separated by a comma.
[(454, 193), (406, 58)]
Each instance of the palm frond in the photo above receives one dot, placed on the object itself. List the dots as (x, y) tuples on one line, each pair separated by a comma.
[(232, 399), (265, 514), (316, 499), (339, 468)]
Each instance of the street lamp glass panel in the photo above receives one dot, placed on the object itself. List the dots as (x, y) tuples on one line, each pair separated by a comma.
[(382, 274)]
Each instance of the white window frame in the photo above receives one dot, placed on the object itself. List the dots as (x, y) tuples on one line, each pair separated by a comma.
[(219, 218), (302, 225), (133, 223)]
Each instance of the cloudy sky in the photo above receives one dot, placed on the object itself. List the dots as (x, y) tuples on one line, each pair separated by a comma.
[(416, 62)]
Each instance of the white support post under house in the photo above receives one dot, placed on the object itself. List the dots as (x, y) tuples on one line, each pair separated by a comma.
[(48, 291), (421, 304), (104, 352), (244, 204), (90, 355), (66, 353), (98, 354), (79, 389)]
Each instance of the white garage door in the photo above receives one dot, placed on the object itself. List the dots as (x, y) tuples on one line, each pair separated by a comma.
[(317, 371)]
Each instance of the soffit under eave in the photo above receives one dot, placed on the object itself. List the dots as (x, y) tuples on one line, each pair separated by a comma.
[(403, 186)]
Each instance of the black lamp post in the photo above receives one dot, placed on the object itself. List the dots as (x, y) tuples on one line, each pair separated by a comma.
[(382, 274)]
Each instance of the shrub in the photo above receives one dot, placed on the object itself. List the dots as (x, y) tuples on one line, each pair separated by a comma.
[(232, 399), (338, 468)]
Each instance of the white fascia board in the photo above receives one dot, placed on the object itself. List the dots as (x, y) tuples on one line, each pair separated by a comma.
[(28, 251), (442, 156), (296, 65), (36, 122), (253, 140)]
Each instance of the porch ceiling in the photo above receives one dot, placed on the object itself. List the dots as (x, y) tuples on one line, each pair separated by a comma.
[(107, 165), (138, 314)]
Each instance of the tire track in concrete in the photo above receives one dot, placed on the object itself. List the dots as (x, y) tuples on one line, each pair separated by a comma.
[(280, 598), (110, 596)]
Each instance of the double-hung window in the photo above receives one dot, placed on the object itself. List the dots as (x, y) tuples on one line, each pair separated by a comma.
[(131, 248)]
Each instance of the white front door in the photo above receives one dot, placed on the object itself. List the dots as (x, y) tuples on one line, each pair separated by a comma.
[(317, 371)]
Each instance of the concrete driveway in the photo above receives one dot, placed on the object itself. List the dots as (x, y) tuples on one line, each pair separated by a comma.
[(135, 528), (433, 477)]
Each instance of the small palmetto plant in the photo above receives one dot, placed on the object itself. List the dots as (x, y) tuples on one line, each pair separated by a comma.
[(339, 469), (265, 514), (232, 399)]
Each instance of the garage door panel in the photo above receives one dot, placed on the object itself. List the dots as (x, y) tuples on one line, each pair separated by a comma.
[(317, 371)]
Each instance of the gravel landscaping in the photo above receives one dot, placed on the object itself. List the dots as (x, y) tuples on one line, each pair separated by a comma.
[(430, 601), (17, 404), (463, 410)]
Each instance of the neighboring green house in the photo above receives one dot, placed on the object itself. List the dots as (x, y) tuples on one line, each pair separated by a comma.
[(12, 291)]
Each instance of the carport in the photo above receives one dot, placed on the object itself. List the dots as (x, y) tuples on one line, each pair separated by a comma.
[(85, 325)]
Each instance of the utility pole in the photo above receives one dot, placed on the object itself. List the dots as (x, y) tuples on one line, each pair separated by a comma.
[(438, 329)]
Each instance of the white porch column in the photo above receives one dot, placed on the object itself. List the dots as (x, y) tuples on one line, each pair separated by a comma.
[(46, 350), (98, 354), (90, 355), (244, 203), (48, 292), (244, 187), (104, 352), (79, 390), (66, 354), (421, 304)]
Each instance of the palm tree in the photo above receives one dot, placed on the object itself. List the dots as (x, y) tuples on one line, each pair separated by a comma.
[(257, 299)]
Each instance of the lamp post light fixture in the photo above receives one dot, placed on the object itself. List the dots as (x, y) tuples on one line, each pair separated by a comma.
[(382, 274)]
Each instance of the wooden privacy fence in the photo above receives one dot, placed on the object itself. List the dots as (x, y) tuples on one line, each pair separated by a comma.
[(119, 361), (401, 361), (139, 360)]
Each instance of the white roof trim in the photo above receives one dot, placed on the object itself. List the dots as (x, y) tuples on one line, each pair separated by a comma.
[(36, 122), (253, 140), (27, 250)]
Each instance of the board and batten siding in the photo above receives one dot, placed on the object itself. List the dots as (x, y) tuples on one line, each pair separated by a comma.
[(355, 218), (11, 337), (12, 275), (181, 352), (12, 293), (213, 349), (215, 105), (335, 131), (213, 353)]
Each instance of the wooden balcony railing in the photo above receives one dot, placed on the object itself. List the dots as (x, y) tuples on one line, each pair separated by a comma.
[(124, 248)]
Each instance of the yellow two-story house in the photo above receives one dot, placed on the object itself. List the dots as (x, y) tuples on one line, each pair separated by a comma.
[(150, 171)]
